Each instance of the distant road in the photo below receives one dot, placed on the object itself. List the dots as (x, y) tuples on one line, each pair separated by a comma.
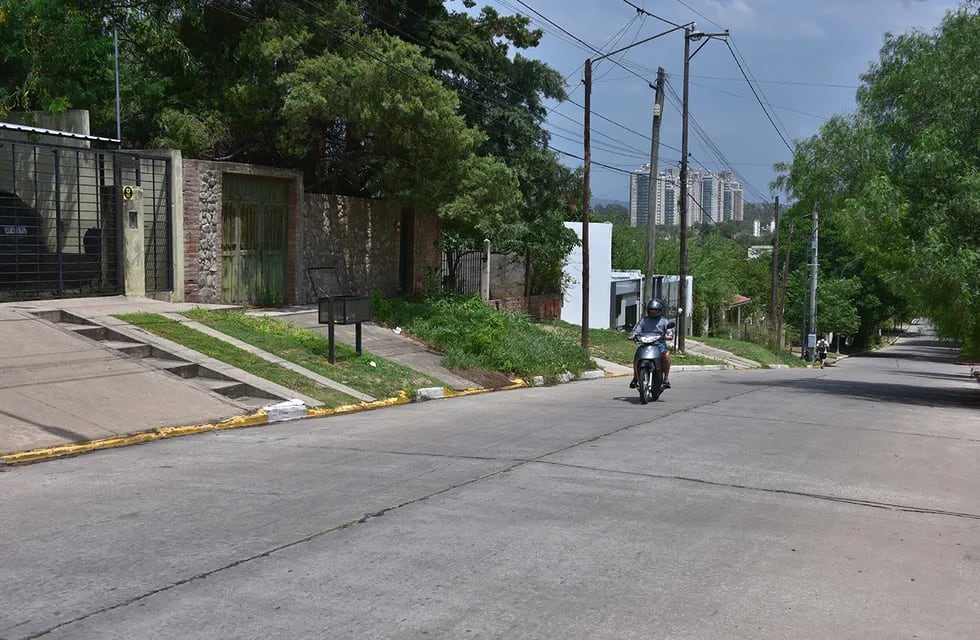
[(771, 504)]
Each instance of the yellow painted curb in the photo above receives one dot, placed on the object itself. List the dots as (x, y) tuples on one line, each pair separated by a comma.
[(316, 412), (60, 451), (251, 420), (516, 383)]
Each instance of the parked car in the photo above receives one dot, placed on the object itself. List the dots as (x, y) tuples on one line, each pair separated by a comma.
[(22, 248)]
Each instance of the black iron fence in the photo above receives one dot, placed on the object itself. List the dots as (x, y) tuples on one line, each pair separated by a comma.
[(461, 271), (60, 221)]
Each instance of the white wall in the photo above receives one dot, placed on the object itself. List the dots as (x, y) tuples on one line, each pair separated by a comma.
[(600, 276)]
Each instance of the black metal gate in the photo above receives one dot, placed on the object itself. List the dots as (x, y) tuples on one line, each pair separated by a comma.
[(461, 271), (59, 219)]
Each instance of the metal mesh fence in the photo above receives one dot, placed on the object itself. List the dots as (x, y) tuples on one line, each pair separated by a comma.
[(59, 219)]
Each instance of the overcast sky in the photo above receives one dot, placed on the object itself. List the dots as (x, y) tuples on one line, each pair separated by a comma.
[(805, 59)]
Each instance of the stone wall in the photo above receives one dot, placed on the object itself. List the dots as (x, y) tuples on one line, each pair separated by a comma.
[(506, 275), (427, 244), (202, 239), (362, 239), (202, 192)]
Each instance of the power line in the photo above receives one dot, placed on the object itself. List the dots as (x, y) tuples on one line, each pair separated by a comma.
[(751, 86), (789, 82), (577, 157), (774, 106), (698, 13), (615, 38), (740, 59), (576, 38), (622, 126), (647, 13)]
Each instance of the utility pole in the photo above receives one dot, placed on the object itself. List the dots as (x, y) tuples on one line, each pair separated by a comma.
[(658, 108), (689, 34), (782, 293), (773, 289), (587, 138), (585, 176), (682, 285), (813, 288), (115, 44)]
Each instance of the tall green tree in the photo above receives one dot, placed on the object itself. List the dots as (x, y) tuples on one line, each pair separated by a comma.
[(898, 183), (54, 56)]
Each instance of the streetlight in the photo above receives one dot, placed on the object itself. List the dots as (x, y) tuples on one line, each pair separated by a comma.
[(585, 177), (689, 34)]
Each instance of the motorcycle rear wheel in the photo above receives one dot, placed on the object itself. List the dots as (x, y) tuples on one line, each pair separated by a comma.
[(656, 384)]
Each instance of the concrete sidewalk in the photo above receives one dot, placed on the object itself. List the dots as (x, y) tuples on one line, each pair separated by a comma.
[(58, 388), (63, 393)]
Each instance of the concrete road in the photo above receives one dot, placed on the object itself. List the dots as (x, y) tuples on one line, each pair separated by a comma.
[(842, 503)]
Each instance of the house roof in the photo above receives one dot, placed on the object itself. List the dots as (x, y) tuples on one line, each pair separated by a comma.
[(739, 301)]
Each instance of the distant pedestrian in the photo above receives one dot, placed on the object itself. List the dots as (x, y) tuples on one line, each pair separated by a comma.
[(822, 348)]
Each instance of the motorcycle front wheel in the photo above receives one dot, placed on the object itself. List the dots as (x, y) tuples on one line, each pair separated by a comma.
[(645, 385)]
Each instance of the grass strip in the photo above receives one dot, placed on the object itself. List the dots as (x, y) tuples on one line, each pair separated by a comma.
[(229, 354), (753, 351), (367, 373), (614, 346), (470, 334)]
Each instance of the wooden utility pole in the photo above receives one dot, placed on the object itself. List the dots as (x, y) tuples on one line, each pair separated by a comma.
[(585, 179), (658, 107), (773, 290), (682, 284), (585, 204), (782, 294), (813, 287), (689, 34)]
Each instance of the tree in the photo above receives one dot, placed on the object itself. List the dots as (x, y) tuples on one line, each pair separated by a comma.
[(411, 145), (399, 99), (898, 183), (54, 56)]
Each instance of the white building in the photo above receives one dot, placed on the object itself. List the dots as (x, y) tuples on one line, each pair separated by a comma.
[(614, 296)]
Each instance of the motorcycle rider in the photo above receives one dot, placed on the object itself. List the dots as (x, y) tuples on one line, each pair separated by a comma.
[(654, 322)]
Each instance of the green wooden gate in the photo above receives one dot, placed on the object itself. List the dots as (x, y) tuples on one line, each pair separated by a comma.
[(253, 239)]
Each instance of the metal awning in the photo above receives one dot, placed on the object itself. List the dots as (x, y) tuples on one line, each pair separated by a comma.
[(54, 132)]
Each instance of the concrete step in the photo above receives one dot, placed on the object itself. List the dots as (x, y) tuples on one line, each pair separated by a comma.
[(227, 388), (134, 349), (92, 331), (180, 368)]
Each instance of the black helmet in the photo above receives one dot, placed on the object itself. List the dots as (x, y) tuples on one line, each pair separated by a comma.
[(655, 308)]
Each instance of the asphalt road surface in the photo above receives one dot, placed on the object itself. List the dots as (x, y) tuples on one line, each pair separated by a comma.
[(836, 503)]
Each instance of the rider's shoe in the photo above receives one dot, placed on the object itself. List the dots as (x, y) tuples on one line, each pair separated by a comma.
[(666, 384), (633, 383)]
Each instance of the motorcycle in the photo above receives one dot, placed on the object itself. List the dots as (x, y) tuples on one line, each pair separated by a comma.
[(649, 366)]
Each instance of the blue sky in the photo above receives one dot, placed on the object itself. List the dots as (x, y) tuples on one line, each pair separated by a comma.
[(805, 59)]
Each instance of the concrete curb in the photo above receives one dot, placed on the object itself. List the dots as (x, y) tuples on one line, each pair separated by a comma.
[(139, 437), (294, 410), (274, 414)]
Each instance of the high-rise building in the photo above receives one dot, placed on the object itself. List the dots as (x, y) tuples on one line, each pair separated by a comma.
[(712, 197), (672, 192), (733, 206), (640, 196)]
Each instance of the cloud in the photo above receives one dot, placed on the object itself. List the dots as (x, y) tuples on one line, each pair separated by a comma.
[(770, 18)]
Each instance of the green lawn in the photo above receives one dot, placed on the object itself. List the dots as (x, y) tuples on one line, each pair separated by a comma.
[(614, 346), (470, 334), (752, 351), (230, 354), (309, 349)]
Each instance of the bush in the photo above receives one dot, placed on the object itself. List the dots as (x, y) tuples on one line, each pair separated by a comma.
[(471, 334)]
